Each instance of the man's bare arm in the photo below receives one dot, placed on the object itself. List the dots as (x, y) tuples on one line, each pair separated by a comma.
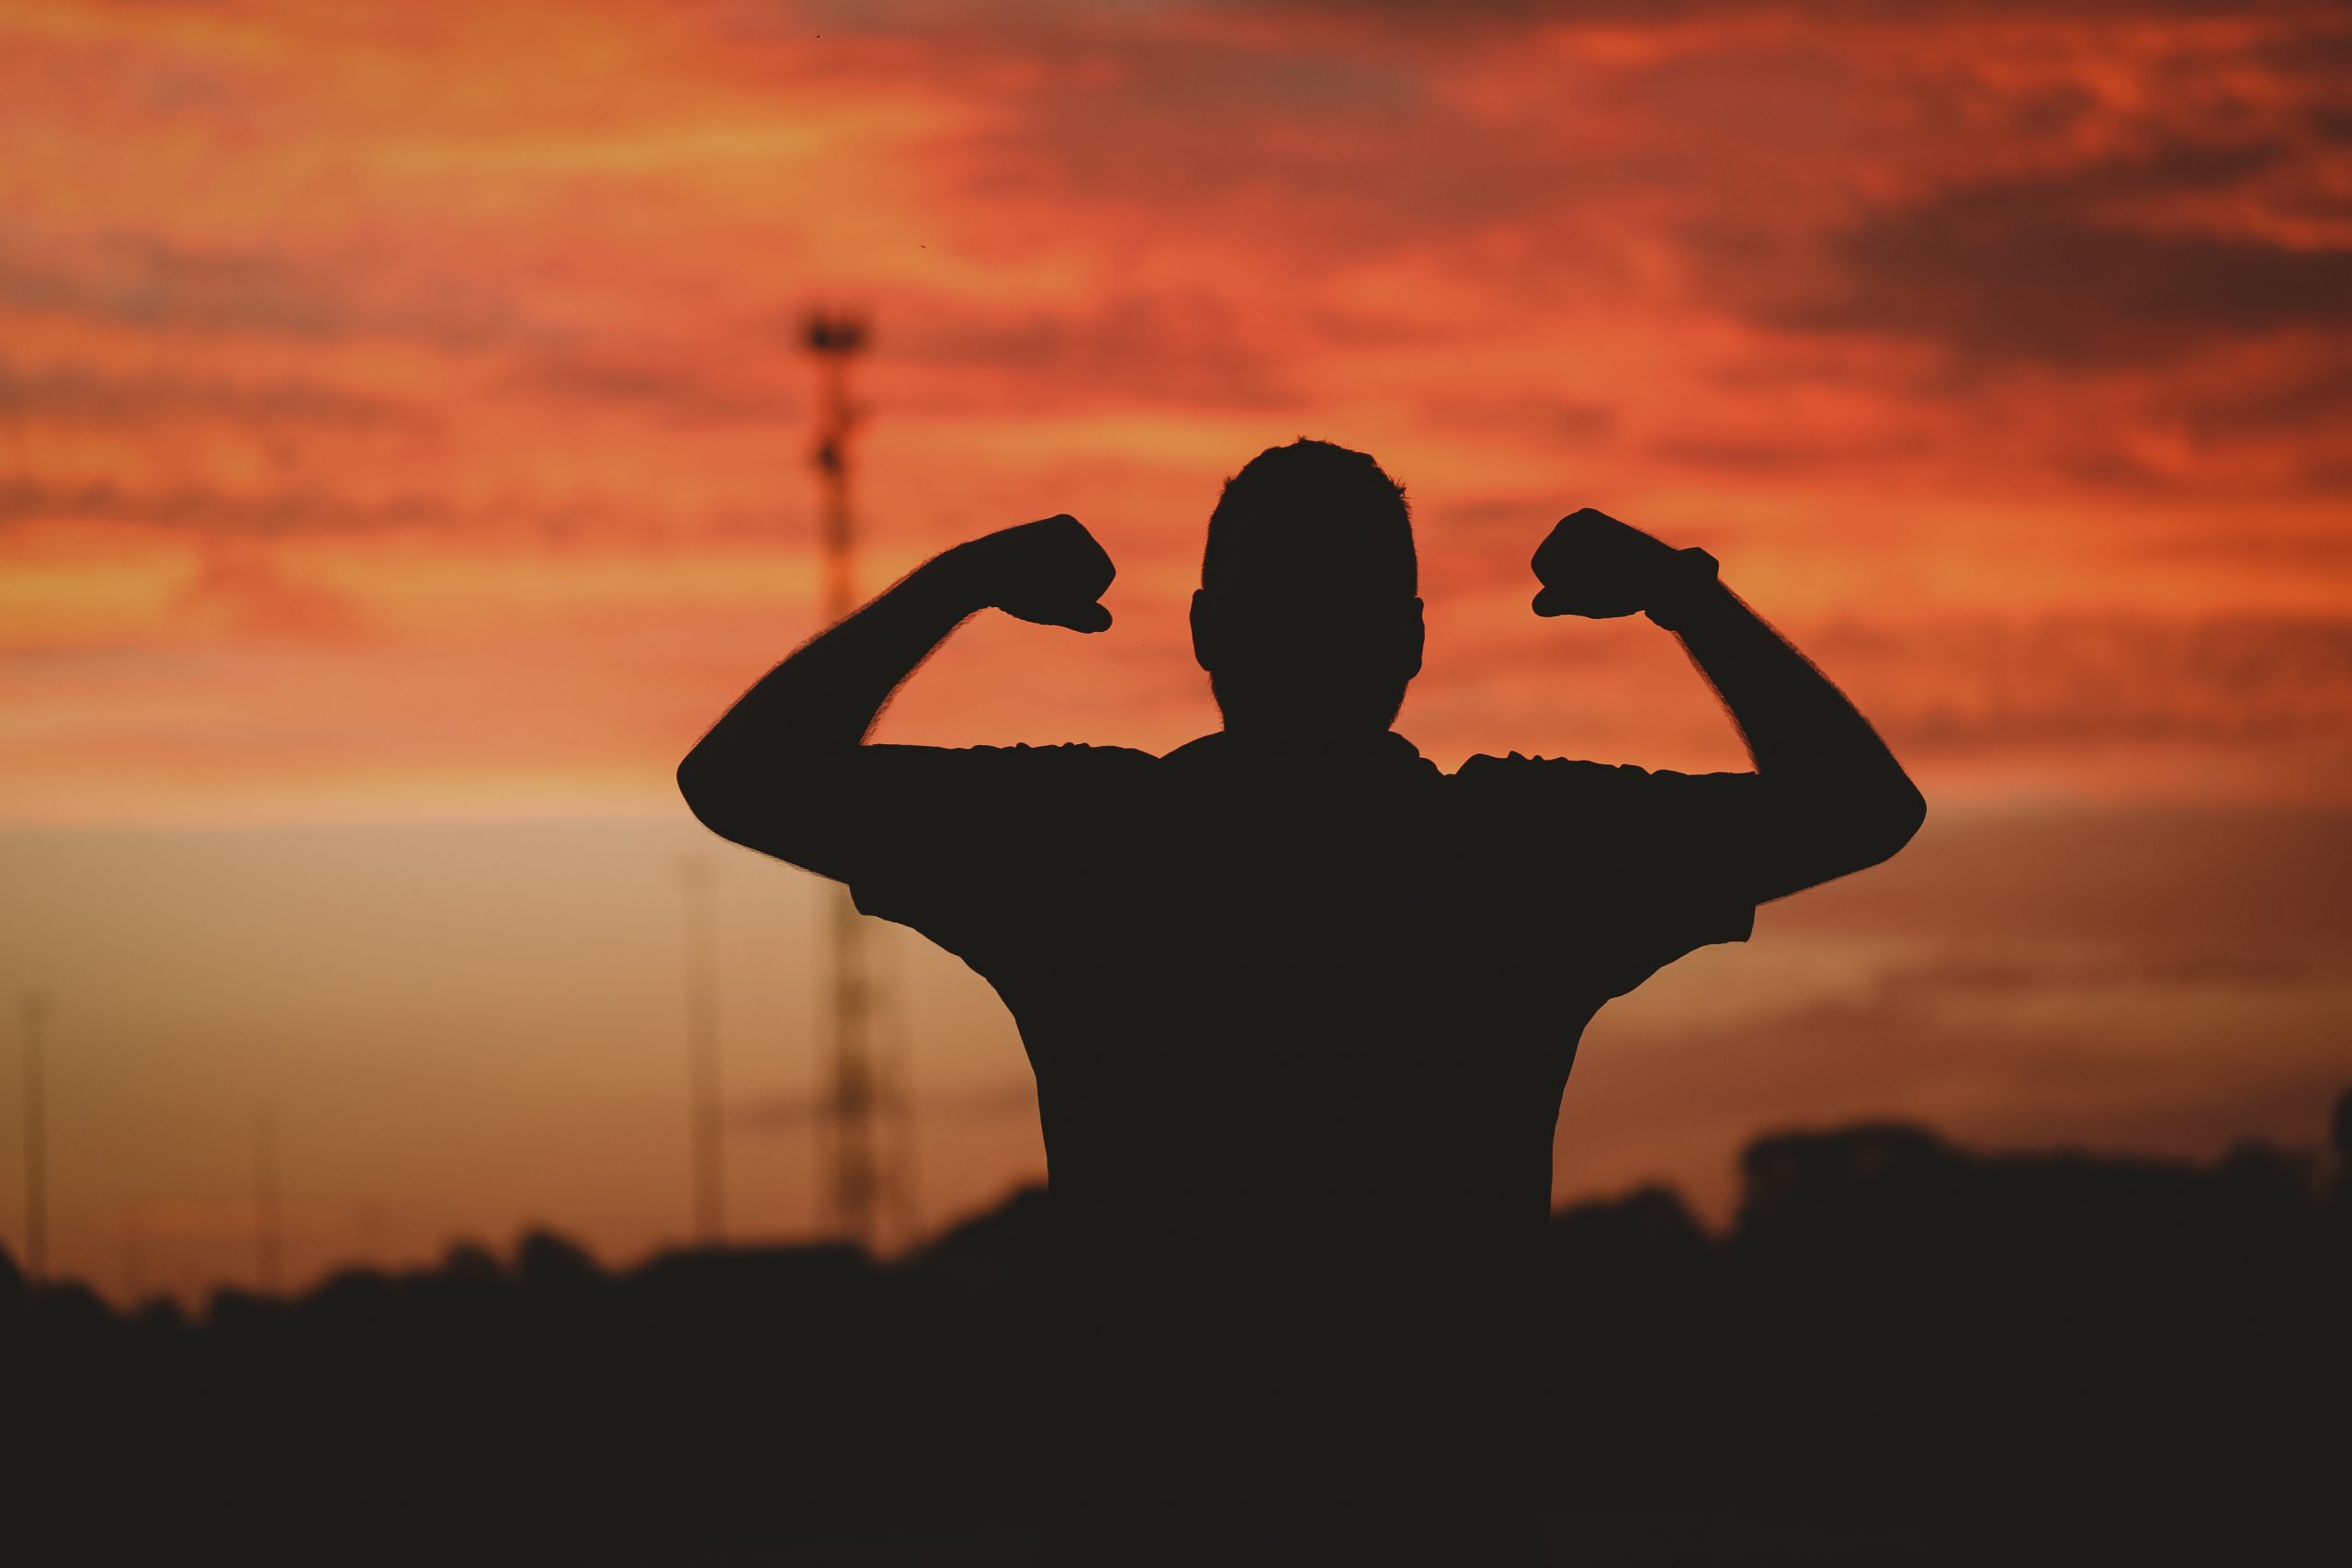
[(1836, 800), (749, 779)]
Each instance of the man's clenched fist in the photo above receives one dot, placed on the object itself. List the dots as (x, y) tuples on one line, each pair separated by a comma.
[(1050, 572), (1593, 565)]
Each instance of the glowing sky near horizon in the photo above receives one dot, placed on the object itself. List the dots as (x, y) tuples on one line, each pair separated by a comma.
[(400, 418)]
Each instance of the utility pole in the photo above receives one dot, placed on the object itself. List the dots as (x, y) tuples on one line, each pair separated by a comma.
[(705, 1154), (135, 1254), (861, 1174), (268, 1247), (36, 1014)]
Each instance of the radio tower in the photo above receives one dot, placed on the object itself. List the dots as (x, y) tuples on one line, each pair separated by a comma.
[(864, 1169)]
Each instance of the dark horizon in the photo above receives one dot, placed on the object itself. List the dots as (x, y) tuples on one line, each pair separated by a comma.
[(2326, 1158), (369, 382), (1900, 1353)]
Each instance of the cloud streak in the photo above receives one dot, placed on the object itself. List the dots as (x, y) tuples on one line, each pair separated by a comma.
[(1997, 353)]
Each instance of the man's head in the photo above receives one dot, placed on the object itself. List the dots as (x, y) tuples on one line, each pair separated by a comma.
[(1306, 619)]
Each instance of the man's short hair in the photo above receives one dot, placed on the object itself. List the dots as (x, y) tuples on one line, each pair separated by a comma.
[(1312, 517)]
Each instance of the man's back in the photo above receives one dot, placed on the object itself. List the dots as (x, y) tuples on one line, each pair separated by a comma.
[(1269, 993), (1300, 1025)]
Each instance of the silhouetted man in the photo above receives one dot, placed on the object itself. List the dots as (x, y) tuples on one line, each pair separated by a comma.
[(1300, 1006)]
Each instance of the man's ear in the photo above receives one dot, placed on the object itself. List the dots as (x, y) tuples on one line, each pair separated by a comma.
[(1417, 641), (1204, 638)]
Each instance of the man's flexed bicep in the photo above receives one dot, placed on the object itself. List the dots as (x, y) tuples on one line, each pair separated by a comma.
[(1831, 799), (781, 772)]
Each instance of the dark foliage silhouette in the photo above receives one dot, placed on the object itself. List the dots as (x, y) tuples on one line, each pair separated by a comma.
[(1900, 1353)]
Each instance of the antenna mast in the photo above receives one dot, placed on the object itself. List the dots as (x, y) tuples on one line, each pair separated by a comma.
[(863, 1172)]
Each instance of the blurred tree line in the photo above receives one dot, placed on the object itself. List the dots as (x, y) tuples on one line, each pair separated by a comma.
[(1899, 1352)]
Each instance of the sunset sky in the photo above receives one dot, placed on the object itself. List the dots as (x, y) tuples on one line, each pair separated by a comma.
[(403, 457)]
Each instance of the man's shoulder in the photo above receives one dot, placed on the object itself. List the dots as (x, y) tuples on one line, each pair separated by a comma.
[(1018, 778), (1611, 788), (1512, 770), (1079, 757), (1071, 755), (1557, 771)]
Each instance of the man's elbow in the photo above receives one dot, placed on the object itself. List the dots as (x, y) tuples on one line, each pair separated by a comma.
[(716, 804), (1846, 831), (1887, 824), (777, 809)]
